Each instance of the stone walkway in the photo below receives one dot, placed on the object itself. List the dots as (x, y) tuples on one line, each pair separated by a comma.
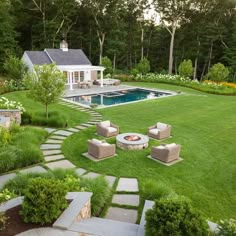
[(51, 149)]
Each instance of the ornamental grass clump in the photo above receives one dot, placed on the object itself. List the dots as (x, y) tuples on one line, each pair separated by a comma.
[(174, 216), (44, 201)]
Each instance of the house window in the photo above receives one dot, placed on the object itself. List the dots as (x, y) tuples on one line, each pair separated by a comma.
[(81, 75), (76, 77)]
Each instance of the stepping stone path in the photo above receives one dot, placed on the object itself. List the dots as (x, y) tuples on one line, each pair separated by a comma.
[(5, 178), (51, 149), (121, 213)]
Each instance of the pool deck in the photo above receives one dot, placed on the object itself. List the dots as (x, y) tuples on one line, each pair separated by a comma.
[(95, 90)]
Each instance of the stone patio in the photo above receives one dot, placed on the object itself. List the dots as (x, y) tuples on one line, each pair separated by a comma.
[(126, 199)]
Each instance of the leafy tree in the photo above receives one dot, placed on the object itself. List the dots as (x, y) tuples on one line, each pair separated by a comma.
[(173, 14), (15, 69), (106, 62), (186, 68), (218, 73), (46, 84), (7, 32), (174, 216)]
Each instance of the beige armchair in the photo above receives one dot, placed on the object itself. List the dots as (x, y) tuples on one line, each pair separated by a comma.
[(159, 131), (107, 129), (101, 149), (166, 152)]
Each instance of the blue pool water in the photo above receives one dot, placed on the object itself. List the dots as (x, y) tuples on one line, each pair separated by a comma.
[(118, 97)]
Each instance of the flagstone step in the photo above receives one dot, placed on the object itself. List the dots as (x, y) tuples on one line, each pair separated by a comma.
[(54, 157), (34, 169), (62, 164), (80, 127), (63, 133), (54, 141), (86, 125), (73, 130), (50, 130), (126, 199), (51, 152), (5, 178), (57, 137), (80, 171), (127, 185), (50, 146)]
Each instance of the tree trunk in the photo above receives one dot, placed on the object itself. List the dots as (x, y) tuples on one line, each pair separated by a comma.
[(195, 68), (142, 34), (203, 70), (101, 38), (210, 56), (171, 50), (114, 63), (46, 106), (149, 43)]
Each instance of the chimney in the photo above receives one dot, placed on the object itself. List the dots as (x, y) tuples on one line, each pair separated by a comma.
[(64, 46)]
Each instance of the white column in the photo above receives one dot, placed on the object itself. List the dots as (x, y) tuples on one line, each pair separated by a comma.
[(79, 75), (70, 79), (101, 78)]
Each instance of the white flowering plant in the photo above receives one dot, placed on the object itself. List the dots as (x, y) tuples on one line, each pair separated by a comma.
[(8, 105)]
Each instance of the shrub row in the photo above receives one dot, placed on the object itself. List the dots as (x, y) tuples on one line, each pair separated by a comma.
[(55, 119)]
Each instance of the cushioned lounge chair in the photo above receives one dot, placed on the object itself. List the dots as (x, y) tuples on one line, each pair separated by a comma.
[(107, 129), (159, 131), (100, 149), (166, 152)]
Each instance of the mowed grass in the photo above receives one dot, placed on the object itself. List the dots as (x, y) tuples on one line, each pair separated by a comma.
[(204, 125), (74, 117)]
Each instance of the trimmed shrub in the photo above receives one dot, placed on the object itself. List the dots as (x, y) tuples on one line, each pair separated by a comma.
[(218, 73), (153, 190), (101, 193), (174, 216), (186, 68), (44, 201), (227, 227)]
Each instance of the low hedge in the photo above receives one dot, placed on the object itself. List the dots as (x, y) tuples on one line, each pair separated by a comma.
[(55, 119)]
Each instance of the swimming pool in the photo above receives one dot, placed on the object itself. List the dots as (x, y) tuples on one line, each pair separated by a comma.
[(117, 97)]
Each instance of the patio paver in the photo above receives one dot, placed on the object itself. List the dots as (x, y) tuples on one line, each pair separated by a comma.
[(50, 130), (34, 169), (63, 164), (126, 199), (5, 178), (127, 185), (73, 130), (120, 214), (110, 179), (58, 137)]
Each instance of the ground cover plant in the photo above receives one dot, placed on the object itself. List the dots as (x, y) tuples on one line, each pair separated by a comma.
[(202, 123), (59, 115)]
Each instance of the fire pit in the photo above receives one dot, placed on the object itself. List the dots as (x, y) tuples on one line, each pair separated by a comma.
[(132, 141)]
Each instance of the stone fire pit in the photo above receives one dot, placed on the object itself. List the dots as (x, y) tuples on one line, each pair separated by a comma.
[(132, 141)]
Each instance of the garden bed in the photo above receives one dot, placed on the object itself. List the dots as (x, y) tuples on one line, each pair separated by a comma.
[(16, 225)]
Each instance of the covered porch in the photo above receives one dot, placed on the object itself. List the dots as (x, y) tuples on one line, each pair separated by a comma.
[(82, 75)]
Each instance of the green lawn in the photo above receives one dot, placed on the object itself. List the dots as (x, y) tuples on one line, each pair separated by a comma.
[(204, 125), (74, 117)]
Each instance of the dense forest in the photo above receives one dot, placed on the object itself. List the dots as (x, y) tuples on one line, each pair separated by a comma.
[(125, 31)]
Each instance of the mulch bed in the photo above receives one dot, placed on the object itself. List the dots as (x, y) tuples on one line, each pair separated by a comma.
[(15, 224)]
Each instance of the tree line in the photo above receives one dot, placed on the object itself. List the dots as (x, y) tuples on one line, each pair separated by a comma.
[(203, 31)]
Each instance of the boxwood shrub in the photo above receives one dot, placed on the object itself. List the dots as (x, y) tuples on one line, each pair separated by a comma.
[(44, 201), (174, 216)]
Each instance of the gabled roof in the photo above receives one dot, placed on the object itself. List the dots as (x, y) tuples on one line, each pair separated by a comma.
[(60, 57), (38, 58), (70, 57)]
